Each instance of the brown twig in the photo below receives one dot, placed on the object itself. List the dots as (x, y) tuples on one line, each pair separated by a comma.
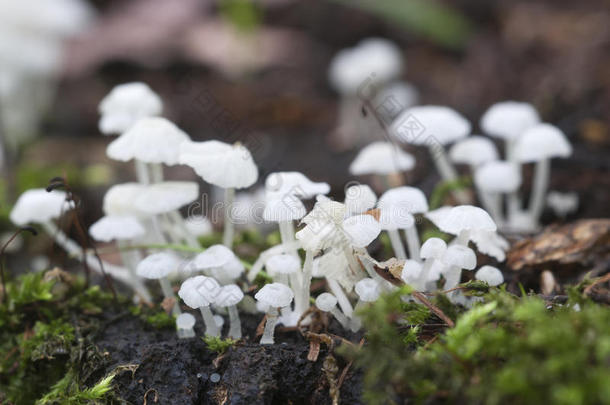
[(439, 312), (8, 242), (600, 280)]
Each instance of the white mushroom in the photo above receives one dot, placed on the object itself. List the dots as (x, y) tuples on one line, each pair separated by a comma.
[(184, 325), (432, 251), (275, 295), (200, 292), (228, 297), (157, 266), (412, 274), (461, 220), (493, 179), (368, 290), (282, 266), (473, 151), (326, 302), (456, 258), (562, 204), (219, 262), (491, 275), (359, 198), (381, 158), (294, 183), (125, 105)]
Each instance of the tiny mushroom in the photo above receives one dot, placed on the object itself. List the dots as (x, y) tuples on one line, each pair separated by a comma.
[(228, 297), (381, 158), (157, 266), (473, 151), (462, 220), (456, 258), (200, 292), (125, 105), (184, 325), (491, 275), (368, 290), (326, 302), (359, 198), (274, 295), (283, 266), (412, 274), (493, 179), (219, 262), (432, 251)]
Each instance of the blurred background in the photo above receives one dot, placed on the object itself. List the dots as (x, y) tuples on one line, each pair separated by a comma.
[(257, 71)]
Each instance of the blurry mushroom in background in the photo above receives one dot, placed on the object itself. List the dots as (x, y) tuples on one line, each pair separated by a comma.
[(456, 258), (489, 274), (382, 159), (411, 274), (223, 165), (359, 198), (228, 297), (461, 221), (562, 204), (368, 291), (326, 302), (217, 261), (432, 251), (493, 179), (283, 266), (157, 266), (125, 104), (184, 326), (274, 295), (198, 293)]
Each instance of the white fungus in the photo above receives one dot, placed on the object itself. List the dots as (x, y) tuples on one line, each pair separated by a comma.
[(200, 292), (274, 295), (327, 302), (158, 266), (228, 297), (489, 274), (125, 105), (381, 158), (359, 198), (184, 325)]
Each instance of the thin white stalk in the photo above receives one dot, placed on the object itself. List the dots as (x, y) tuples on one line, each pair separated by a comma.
[(235, 323), (156, 172), (452, 279), (189, 238), (229, 232), (423, 276), (397, 247), (355, 321), (272, 316), (142, 173), (412, 242), (463, 237), (513, 199), (342, 300), (493, 205), (340, 317), (447, 171), (287, 237), (168, 293), (130, 259), (368, 266), (302, 303), (211, 328), (540, 185)]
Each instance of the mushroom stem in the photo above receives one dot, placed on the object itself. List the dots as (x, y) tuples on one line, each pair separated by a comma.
[(541, 182), (493, 205), (368, 266), (340, 317), (229, 232), (447, 171), (355, 321), (412, 242), (396, 243), (342, 300), (211, 328), (272, 317), (423, 276), (188, 237), (130, 258), (452, 279), (287, 237), (463, 237), (235, 328), (142, 172), (302, 303), (156, 172), (168, 293)]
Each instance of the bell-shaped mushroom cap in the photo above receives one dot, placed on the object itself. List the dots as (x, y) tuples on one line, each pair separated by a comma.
[(229, 295), (231, 270), (361, 230), (185, 321), (37, 206), (283, 207), (490, 243), (157, 265), (433, 248), (368, 290), (326, 301), (114, 227), (275, 295), (542, 141), (282, 264), (498, 177), (460, 256), (119, 199), (322, 222), (159, 198), (353, 66), (199, 291), (150, 140), (219, 163), (359, 198), (198, 225), (429, 125), (214, 256), (490, 275), (474, 150), (125, 105), (465, 217), (508, 119), (295, 184), (381, 158), (435, 216), (409, 198), (562, 203), (411, 271)]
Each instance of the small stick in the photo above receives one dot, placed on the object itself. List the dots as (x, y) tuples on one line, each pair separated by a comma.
[(422, 298), (8, 242)]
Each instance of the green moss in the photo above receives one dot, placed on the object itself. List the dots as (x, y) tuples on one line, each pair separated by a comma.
[(161, 320), (66, 392), (217, 344)]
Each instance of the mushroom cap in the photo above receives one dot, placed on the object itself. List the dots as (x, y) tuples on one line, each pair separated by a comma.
[(435, 216), (434, 124), (474, 150), (114, 227), (361, 230), (397, 206), (498, 177), (326, 301), (433, 248), (198, 225), (228, 272), (490, 243), (465, 217), (359, 198), (351, 67), (275, 295), (460, 256), (213, 257), (199, 291), (295, 184), (37, 206), (509, 119), (283, 264), (411, 271), (157, 265), (322, 222), (150, 140), (125, 105), (119, 199), (219, 163), (185, 321), (368, 290), (229, 295), (159, 198), (283, 207), (542, 141), (489, 274), (562, 203), (381, 158)]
